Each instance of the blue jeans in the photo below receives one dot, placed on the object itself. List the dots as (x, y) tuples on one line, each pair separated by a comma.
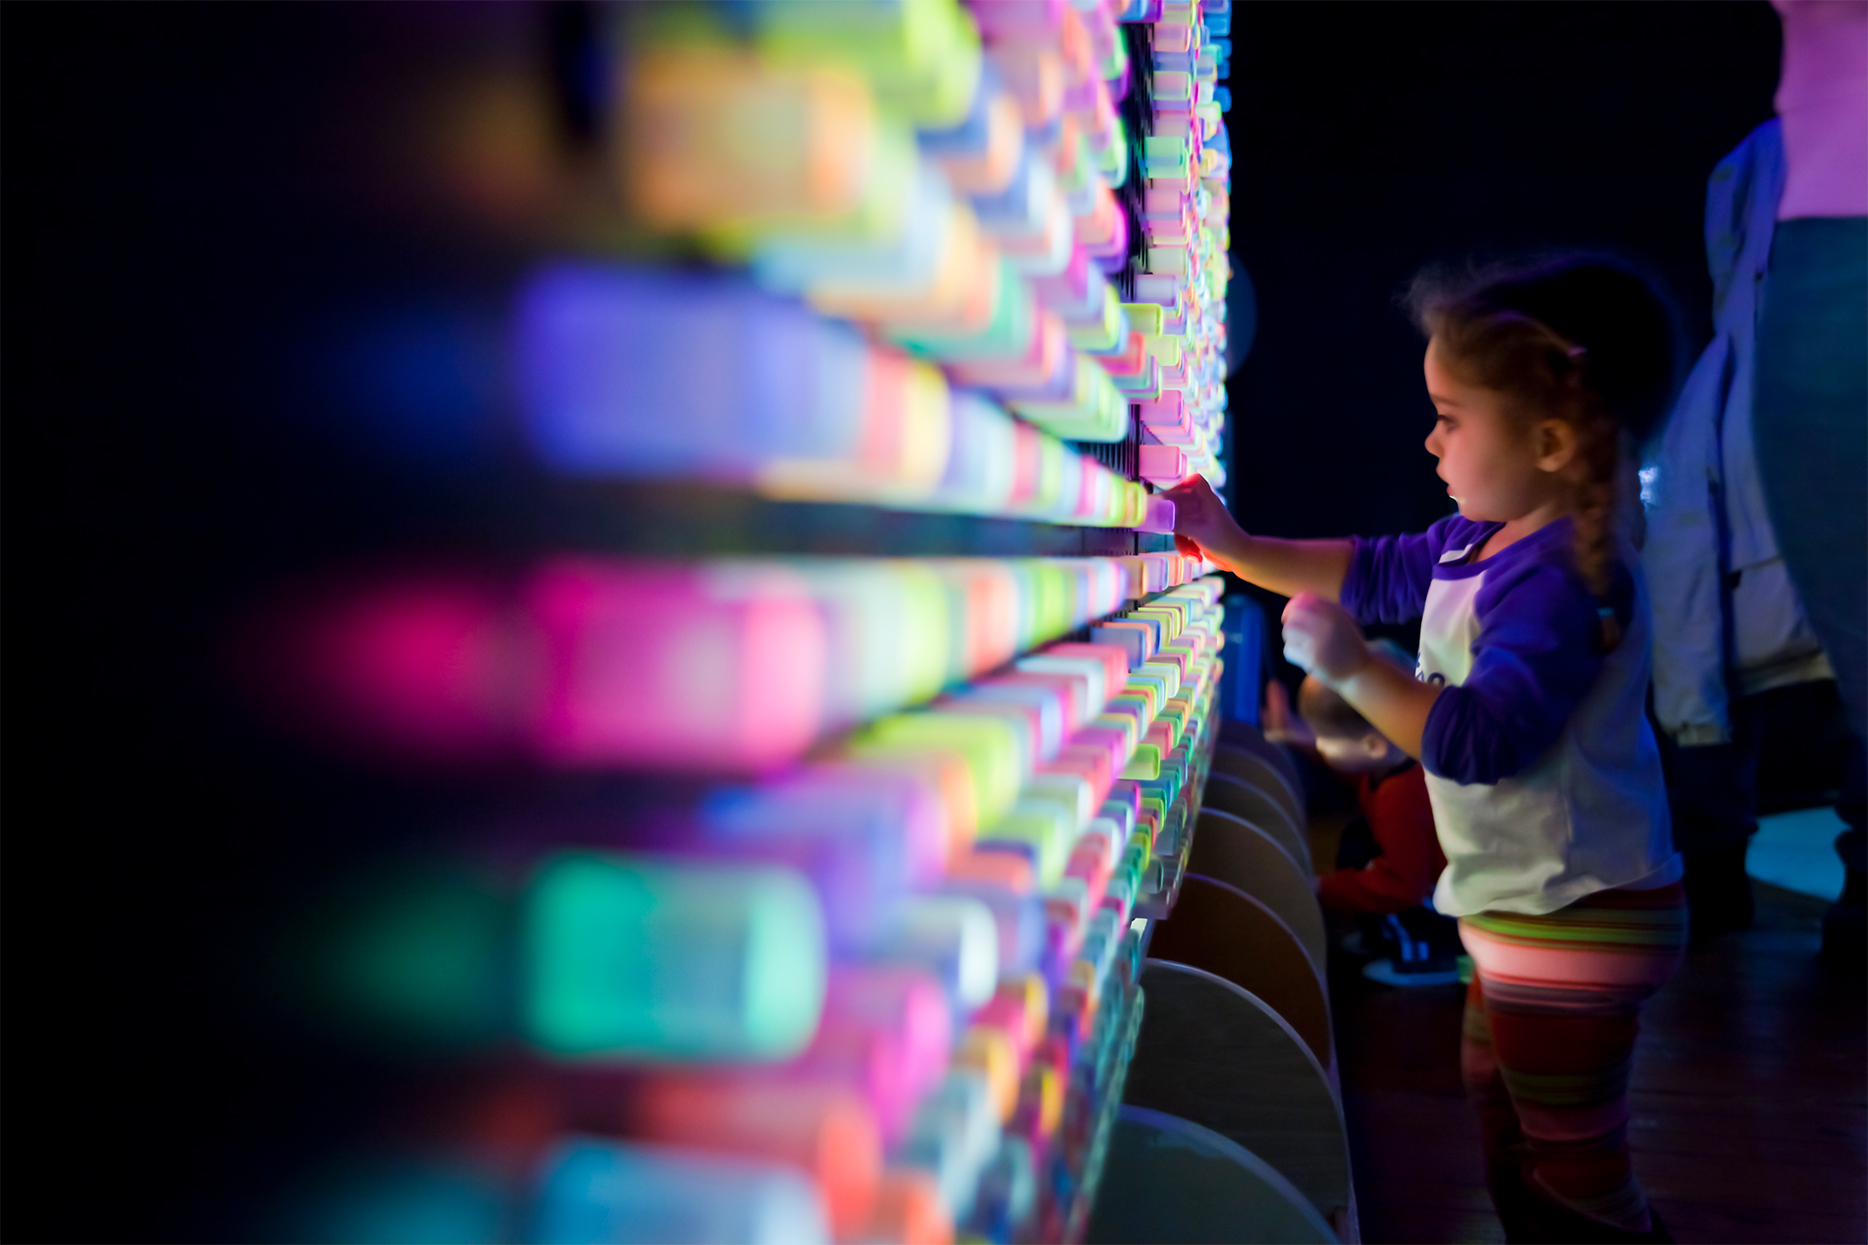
[(1811, 429)]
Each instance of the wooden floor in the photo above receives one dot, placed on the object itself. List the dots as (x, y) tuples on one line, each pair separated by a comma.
[(1750, 1096)]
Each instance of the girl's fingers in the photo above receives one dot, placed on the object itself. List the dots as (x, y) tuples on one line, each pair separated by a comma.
[(1300, 607), (1300, 642), (1320, 636)]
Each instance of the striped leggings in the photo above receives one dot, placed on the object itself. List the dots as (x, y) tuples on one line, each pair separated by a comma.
[(1550, 1026)]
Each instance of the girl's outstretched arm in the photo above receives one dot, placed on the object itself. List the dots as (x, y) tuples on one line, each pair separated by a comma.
[(1284, 566), (1324, 640)]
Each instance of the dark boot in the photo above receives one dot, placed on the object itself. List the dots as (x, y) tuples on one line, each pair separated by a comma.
[(1718, 892), (1845, 926)]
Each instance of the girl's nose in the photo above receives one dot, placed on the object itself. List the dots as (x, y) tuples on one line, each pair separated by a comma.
[(1433, 441)]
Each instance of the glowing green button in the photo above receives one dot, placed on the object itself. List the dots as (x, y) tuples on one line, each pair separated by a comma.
[(636, 959)]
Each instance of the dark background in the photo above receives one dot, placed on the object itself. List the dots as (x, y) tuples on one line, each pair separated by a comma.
[(1371, 139), (181, 234)]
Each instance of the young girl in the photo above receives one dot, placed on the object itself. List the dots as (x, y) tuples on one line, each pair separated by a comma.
[(1527, 713)]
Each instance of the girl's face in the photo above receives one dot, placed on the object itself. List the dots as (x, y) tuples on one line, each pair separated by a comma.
[(1496, 467)]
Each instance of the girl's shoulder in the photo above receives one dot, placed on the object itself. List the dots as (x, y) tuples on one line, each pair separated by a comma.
[(1452, 539), (1455, 538), (1539, 574)]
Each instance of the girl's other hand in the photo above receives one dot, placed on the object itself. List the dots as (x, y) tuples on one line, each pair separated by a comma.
[(1202, 524), (1321, 637)]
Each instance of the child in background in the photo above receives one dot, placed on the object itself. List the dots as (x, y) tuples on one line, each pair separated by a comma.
[(1529, 717), (1389, 858)]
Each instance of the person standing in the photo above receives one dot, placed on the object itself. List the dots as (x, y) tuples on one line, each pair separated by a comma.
[(1810, 426), (1528, 714), (1733, 647)]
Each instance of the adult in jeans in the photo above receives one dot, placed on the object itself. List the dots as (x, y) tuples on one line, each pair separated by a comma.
[(1733, 646), (1811, 389)]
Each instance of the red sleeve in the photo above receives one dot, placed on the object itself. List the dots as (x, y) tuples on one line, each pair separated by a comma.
[(1403, 876)]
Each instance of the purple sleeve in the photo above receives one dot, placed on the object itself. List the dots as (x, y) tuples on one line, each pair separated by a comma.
[(1389, 575), (1537, 655)]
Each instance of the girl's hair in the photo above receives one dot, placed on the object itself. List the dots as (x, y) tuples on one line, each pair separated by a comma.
[(1581, 338)]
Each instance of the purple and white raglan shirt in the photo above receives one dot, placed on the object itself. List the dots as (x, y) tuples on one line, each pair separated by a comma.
[(1542, 768)]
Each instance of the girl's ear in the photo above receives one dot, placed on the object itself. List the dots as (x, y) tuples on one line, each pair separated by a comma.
[(1554, 443)]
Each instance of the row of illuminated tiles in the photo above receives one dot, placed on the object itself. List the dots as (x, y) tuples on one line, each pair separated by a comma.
[(641, 373), (721, 666)]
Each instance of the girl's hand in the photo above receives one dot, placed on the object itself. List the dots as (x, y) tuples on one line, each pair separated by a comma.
[(1201, 522), (1321, 637)]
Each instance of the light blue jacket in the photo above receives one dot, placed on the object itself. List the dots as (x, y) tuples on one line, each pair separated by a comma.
[(1726, 619)]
